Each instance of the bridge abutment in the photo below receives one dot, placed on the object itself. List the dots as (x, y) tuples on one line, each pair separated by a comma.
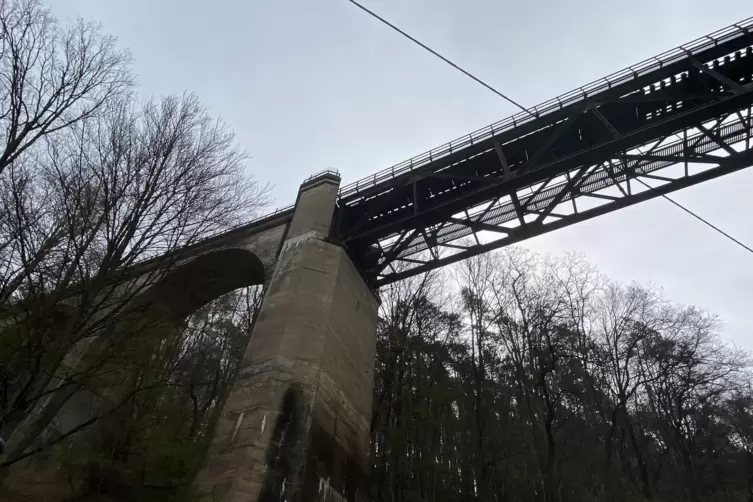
[(295, 426)]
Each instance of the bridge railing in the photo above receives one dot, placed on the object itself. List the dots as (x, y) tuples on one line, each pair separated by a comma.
[(324, 172), (553, 104)]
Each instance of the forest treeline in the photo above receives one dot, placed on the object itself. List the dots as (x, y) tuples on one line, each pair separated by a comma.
[(508, 377), (538, 379)]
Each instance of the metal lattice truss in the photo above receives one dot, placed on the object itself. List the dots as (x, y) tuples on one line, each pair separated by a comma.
[(676, 120), (722, 146)]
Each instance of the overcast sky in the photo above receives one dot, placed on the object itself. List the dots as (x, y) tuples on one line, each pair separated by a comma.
[(314, 84)]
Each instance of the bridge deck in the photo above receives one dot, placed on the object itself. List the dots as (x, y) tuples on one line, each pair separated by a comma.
[(526, 175)]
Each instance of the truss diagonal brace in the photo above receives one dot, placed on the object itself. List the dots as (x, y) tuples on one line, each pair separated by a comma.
[(572, 184), (563, 127), (390, 256), (716, 139), (606, 122)]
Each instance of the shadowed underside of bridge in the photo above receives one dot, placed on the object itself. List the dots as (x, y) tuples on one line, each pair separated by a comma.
[(670, 122)]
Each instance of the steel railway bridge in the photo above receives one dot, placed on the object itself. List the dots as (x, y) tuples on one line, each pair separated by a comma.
[(296, 424), (613, 141)]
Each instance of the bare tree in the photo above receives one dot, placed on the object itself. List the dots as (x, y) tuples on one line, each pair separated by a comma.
[(591, 390), (52, 77), (138, 183), (476, 278)]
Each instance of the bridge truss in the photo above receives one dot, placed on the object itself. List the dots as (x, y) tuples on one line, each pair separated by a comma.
[(672, 121)]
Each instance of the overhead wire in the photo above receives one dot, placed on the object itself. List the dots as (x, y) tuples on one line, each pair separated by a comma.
[(435, 53), (536, 116), (694, 215)]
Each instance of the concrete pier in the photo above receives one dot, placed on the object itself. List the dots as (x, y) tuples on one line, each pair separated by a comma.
[(295, 426)]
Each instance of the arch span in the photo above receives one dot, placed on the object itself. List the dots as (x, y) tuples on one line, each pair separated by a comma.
[(208, 276), (159, 313)]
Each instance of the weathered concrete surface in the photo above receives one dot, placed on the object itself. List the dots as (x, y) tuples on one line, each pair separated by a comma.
[(296, 424)]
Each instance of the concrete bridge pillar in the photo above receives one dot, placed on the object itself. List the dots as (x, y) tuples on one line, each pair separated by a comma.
[(296, 424)]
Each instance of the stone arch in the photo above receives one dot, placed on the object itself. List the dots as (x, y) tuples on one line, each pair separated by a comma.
[(193, 284), (161, 311), (150, 318), (155, 315), (161, 304)]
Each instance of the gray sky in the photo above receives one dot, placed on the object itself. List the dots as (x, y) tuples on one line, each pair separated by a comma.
[(313, 84)]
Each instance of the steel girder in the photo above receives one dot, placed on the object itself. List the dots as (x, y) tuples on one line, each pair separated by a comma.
[(690, 107)]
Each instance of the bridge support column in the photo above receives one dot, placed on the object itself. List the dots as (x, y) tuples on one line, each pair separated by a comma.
[(296, 424)]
